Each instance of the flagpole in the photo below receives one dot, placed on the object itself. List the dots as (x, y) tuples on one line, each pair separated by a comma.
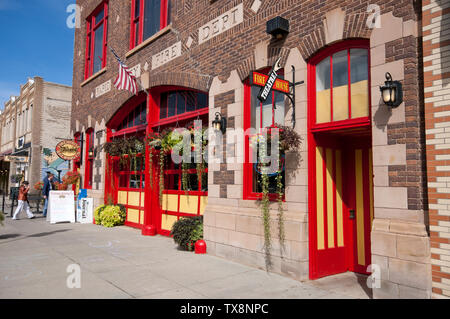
[(120, 60)]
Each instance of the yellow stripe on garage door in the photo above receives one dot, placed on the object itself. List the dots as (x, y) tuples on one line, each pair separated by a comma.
[(339, 207), (122, 198), (167, 221), (189, 204), (133, 198), (319, 199), (360, 207), (170, 203), (133, 215), (330, 202)]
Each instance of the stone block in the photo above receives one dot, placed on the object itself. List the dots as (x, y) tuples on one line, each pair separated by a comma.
[(227, 221), (209, 218), (389, 155), (246, 241), (297, 194), (299, 251), (413, 248), (383, 244), (391, 197), (381, 225), (417, 229), (409, 273), (249, 225), (413, 293), (388, 290), (220, 235)]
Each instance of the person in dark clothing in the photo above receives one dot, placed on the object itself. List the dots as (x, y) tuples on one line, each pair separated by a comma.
[(48, 186)]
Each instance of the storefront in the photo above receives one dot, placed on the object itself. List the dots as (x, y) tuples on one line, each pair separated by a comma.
[(351, 196), (173, 107)]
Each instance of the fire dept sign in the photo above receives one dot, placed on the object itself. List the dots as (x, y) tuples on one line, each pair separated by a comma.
[(68, 150)]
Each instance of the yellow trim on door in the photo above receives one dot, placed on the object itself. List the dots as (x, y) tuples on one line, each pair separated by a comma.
[(360, 207), (319, 199), (330, 201), (339, 204)]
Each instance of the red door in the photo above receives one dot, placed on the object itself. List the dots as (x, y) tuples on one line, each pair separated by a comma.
[(342, 204)]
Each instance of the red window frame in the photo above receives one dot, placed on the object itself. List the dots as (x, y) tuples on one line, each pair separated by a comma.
[(314, 61), (91, 27), (89, 161), (249, 194), (137, 21)]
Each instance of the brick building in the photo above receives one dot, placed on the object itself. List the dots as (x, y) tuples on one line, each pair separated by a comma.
[(30, 125), (196, 59), (436, 53)]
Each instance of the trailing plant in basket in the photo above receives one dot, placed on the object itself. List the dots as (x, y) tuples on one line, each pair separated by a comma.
[(186, 232), (288, 141)]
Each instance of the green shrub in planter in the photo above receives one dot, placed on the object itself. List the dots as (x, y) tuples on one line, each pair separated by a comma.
[(97, 214), (186, 231), (110, 215), (2, 218)]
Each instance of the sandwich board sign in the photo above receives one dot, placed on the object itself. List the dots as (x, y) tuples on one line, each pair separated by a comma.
[(85, 211), (61, 207)]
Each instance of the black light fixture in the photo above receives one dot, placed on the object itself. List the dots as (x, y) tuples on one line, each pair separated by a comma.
[(391, 92), (91, 152), (220, 123), (278, 27)]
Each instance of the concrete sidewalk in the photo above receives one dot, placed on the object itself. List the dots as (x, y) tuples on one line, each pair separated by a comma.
[(121, 263)]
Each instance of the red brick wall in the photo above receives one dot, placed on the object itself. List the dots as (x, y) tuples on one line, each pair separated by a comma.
[(436, 48)]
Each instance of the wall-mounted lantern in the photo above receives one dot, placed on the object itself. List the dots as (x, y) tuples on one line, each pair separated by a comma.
[(91, 152), (220, 123), (278, 27), (392, 92)]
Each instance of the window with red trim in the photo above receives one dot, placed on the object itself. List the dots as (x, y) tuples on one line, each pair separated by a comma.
[(89, 164), (262, 117), (77, 139), (147, 18), (180, 102), (132, 174), (96, 40), (136, 117), (340, 84)]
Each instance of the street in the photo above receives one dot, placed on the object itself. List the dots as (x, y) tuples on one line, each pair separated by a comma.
[(121, 263)]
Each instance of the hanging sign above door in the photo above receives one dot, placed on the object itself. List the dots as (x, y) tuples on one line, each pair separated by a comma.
[(270, 82)]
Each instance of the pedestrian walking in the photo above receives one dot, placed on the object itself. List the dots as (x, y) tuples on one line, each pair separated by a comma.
[(48, 186), (22, 201)]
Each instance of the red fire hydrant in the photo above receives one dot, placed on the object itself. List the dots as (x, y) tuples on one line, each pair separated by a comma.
[(200, 247)]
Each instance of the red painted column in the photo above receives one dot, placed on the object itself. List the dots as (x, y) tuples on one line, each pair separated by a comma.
[(148, 228)]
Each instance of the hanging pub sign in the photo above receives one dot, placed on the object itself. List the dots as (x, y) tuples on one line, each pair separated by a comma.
[(270, 82), (68, 150)]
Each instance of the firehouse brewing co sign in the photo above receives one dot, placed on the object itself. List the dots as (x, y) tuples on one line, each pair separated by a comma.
[(68, 150)]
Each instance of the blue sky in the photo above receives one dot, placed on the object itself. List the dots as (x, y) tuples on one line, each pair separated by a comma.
[(35, 41)]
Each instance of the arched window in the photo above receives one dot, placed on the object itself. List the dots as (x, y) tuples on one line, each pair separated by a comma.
[(259, 116), (339, 87)]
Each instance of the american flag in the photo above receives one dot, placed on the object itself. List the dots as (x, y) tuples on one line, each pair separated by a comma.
[(125, 80)]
